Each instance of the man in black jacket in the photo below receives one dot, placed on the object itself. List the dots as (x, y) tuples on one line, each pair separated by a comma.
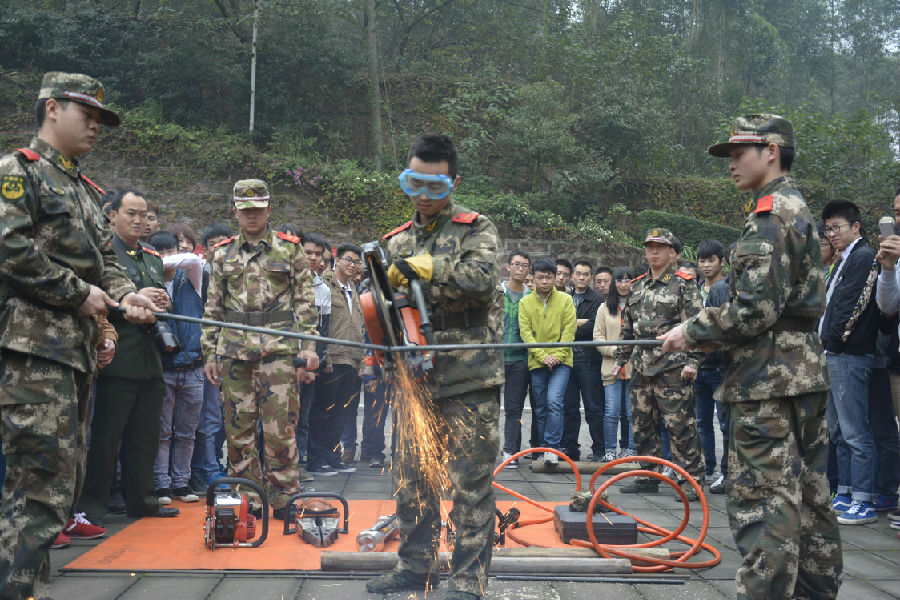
[(848, 331), (585, 380)]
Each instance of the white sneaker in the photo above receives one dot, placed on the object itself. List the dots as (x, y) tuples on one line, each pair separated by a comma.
[(550, 458), (711, 478), (669, 472), (608, 456), (513, 464)]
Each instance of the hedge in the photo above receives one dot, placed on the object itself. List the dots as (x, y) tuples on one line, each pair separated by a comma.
[(689, 230)]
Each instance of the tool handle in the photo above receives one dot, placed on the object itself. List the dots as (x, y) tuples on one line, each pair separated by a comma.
[(425, 326)]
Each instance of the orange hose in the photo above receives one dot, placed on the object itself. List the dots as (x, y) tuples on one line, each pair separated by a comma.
[(656, 564)]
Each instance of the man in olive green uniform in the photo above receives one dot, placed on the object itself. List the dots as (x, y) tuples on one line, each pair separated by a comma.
[(129, 390), (662, 388), (454, 254), (57, 270), (260, 277), (776, 382)]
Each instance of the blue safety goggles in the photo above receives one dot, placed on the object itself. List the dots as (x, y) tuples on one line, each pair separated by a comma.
[(435, 187)]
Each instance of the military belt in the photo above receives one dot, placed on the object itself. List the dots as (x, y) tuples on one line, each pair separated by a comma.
[(459, 320), (258, 318), (794, 324)]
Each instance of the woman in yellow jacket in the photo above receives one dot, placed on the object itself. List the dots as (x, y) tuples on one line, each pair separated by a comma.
[(548, 315), (608, 327)]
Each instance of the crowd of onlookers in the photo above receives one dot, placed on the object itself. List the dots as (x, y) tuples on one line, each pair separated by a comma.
[(859, 332)]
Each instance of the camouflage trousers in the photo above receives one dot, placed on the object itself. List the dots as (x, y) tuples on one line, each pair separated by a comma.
[(778, 500), (44, 408), (666, 398), (262, 391), (472, 424)]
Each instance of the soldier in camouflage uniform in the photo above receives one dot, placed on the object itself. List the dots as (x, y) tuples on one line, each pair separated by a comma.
[(260, 277), (57, 270), (454, 253), (776, 382), (662, 388)]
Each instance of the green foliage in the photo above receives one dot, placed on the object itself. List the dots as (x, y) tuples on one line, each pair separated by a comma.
[(145, 137), (689, 230), (712, 200), (369, 202)]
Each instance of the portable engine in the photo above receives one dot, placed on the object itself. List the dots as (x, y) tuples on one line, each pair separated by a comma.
[(229, 522)]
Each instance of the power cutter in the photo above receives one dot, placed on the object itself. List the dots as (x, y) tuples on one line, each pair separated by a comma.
[(394, 318)]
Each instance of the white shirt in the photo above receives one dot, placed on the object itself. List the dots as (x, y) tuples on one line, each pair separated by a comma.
[(348, 293)]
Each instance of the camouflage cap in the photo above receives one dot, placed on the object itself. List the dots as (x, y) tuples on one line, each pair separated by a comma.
[(78, 88), (660, 236), (756, 129), (251, 193)]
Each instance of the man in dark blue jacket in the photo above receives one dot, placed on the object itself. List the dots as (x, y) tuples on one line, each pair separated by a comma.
[(848, 331), (182, 374), (585, 381)]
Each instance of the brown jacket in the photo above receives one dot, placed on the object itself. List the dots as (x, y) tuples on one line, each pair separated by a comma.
[(609, 327), (344, 326)]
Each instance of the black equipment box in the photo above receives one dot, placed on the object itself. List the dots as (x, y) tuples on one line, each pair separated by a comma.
[(610, 528)]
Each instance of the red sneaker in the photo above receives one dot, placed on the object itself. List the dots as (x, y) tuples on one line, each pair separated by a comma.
[(80, 528), (61, 541)]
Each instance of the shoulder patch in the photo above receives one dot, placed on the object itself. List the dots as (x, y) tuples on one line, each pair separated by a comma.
[(639, 277), (151, 251), (29, 154), (288, 237), (684, 275), (467, 218), (765, 204), (223, 242), (94, 185), (403, 227)]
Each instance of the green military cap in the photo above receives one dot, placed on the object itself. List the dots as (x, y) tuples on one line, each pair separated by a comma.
[(660, 236), (251, 193), (756, 129), (78, 88)]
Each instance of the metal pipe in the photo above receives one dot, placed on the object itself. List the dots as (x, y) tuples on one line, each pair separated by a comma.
[(164, 316)]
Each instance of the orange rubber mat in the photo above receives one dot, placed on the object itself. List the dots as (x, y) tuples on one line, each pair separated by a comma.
[(177, 543)]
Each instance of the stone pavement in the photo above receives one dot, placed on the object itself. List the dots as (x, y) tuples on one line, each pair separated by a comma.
[(871, 556)]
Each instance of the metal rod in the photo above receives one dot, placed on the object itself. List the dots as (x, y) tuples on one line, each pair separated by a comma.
[(164, 316)]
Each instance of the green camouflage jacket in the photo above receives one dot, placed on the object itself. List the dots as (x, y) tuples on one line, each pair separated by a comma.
[(273, 276), (465, 248), (776, 275), (654, 307), (54, 243)]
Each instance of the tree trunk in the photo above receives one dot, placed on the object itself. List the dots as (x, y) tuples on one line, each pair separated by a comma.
[(376, 86), (253, 65)]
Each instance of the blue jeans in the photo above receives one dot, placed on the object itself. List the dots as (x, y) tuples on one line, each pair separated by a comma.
[(181, 406), (884, 434), (705, 386), (848, 424), (549, 388), (375, 410), (210, 435), (515, 388), (585, 386), (614, 392)]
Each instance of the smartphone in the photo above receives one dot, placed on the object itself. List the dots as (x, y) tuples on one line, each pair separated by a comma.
[(888, 226)]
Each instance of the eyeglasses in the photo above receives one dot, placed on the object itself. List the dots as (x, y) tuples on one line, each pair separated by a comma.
[(435, 187), (836, 228), (351, 261), (519, 265)]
